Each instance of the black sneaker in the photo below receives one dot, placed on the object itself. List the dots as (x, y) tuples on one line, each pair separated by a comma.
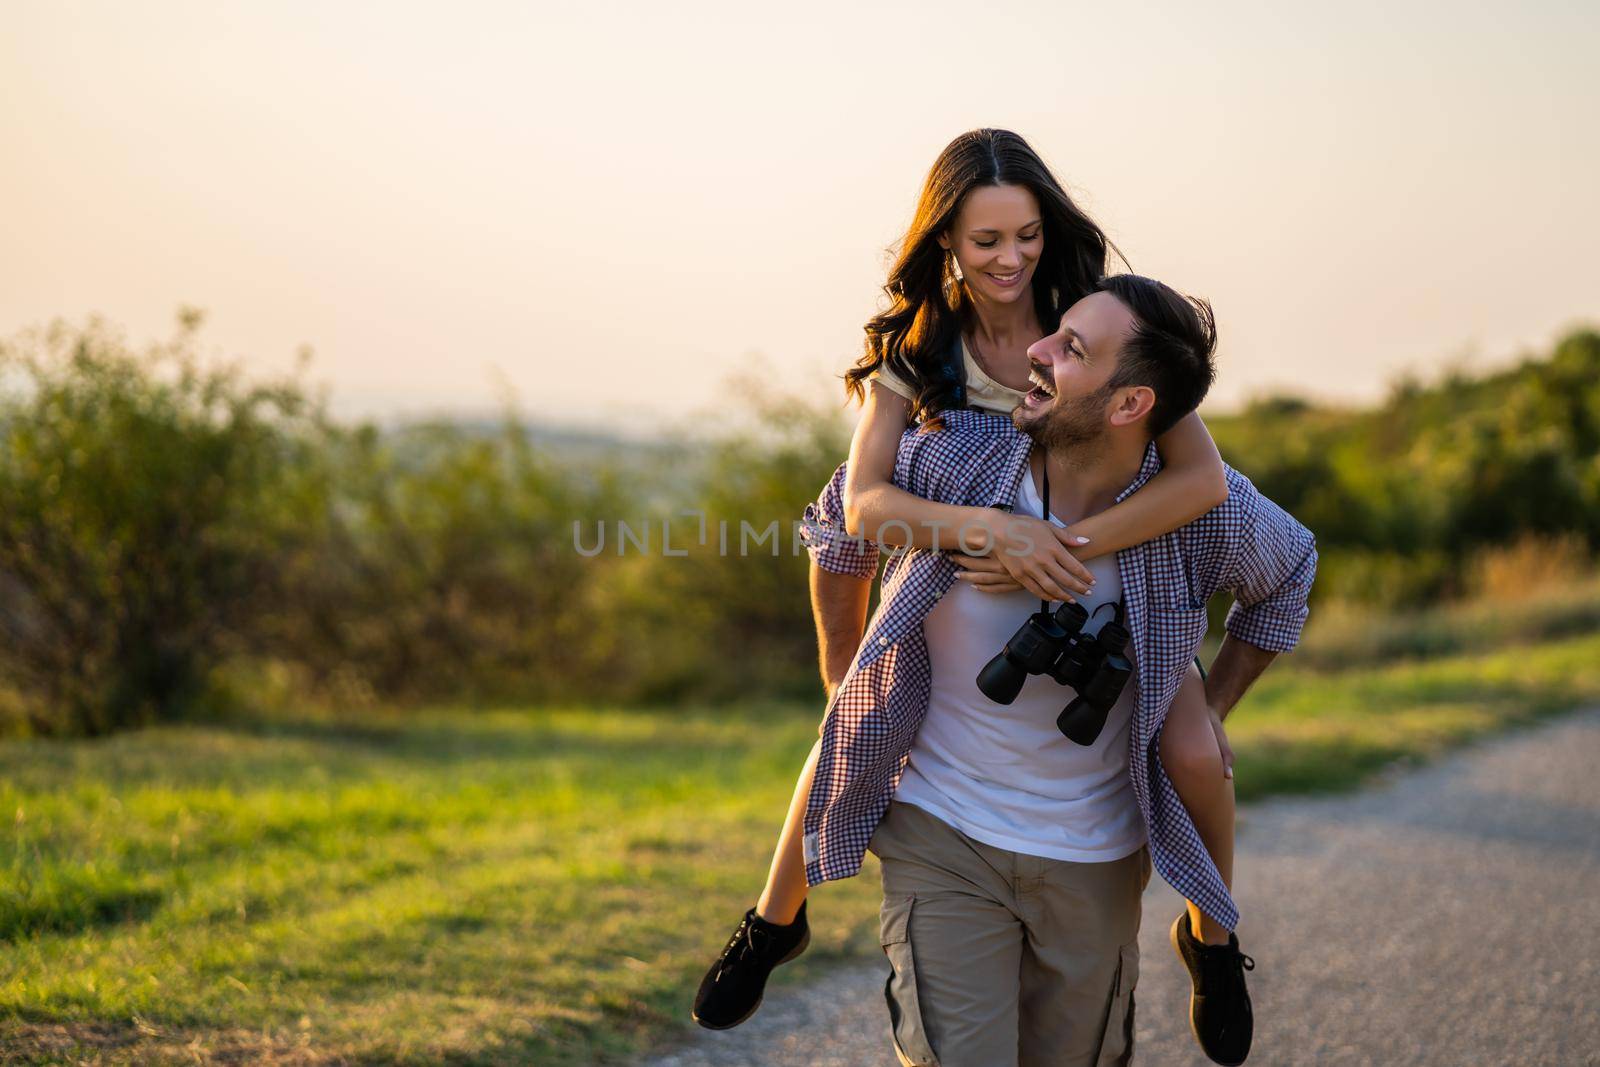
[(731, 991), (1219, 1004)]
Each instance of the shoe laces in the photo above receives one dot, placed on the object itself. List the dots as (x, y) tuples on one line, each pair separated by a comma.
[(741, 944), (1228, 964)]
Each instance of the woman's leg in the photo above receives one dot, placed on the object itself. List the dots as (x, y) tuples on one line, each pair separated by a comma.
[(732, 989), (786, 881), (1193, 761)]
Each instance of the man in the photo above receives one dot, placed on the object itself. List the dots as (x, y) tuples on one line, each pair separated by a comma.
[(1013, 860)]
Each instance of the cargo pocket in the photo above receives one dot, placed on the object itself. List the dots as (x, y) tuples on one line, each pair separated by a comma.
[(1116, 1044), (905, 1009)]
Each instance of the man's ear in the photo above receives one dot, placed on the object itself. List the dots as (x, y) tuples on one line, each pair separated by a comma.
[(1134, 404)]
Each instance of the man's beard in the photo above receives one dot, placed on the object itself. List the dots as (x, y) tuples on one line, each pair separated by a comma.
[(1076, 429)]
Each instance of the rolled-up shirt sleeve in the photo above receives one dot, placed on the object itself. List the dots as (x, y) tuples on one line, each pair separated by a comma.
[(832, 547), (1271, 576)]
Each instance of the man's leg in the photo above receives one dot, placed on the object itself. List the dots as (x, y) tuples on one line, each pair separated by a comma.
[(1081, 961), (953, 940)]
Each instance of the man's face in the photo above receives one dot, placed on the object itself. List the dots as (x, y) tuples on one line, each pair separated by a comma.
[(1070, 403)]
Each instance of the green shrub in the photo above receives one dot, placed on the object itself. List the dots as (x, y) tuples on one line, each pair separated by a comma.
[(440, 565), (139, 504)]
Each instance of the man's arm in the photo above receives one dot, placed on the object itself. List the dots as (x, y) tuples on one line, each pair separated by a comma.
[(839, 606), (1274, 564), (1233, 672), (842, 568), (1270, 575)]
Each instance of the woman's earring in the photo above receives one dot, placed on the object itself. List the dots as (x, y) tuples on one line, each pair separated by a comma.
[(955, 268)]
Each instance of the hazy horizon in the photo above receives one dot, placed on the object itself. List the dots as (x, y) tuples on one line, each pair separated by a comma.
[(613, 211)]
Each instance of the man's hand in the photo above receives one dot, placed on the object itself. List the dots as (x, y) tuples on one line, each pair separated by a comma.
[(1222, 741), (1233, 672)]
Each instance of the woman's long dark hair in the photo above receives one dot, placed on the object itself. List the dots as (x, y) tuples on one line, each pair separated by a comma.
[(929, 307)]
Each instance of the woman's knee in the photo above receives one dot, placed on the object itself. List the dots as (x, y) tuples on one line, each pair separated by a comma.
[(1191, 755)]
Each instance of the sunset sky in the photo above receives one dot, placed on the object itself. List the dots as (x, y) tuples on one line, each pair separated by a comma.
[(614, 207)]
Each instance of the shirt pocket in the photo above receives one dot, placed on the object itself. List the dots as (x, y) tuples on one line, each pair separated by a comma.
[(1181, 627)]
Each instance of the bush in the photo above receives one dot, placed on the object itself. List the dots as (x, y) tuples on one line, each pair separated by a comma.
[(726, 625), (165, 527), (439, 565), (140, 495), (164, 524)]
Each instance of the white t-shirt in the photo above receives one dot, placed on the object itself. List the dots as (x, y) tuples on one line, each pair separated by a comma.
[(1004, 774)]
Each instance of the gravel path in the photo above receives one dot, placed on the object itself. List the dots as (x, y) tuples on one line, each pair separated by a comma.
[(1447, 916)]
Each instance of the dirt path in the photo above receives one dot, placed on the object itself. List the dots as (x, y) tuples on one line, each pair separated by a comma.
[(1450, 916)]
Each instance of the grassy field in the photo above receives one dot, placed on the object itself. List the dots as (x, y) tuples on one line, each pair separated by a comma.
[(511, 886)]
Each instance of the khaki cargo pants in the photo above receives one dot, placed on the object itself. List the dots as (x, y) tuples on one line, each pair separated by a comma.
[(1000, 958)]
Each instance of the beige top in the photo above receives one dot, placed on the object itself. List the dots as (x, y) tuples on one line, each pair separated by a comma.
[(982, 391)]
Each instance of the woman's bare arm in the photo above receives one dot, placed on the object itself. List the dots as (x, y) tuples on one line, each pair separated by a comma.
[(874, 507), (1190, 483)]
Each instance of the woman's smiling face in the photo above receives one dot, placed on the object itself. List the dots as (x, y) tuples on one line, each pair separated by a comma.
[(997, 238)]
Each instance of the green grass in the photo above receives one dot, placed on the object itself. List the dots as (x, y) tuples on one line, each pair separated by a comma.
[(1348, 635), (1300, 731), (471, 887), (523, 886)]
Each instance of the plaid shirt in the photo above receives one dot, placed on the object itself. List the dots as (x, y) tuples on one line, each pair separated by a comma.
[(1247, 545)]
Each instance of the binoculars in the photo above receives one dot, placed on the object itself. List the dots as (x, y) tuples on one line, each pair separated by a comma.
[(1054, 644)]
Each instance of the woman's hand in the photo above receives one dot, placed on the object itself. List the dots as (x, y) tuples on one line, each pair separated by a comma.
[(1035, 555)]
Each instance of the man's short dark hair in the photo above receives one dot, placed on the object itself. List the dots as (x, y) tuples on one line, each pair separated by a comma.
[(1170, 350)]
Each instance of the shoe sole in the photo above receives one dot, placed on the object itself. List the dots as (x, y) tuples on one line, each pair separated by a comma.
[(805, 941), (1173, 937)]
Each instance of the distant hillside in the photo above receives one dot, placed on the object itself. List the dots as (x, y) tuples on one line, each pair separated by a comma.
[(568, 443)]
